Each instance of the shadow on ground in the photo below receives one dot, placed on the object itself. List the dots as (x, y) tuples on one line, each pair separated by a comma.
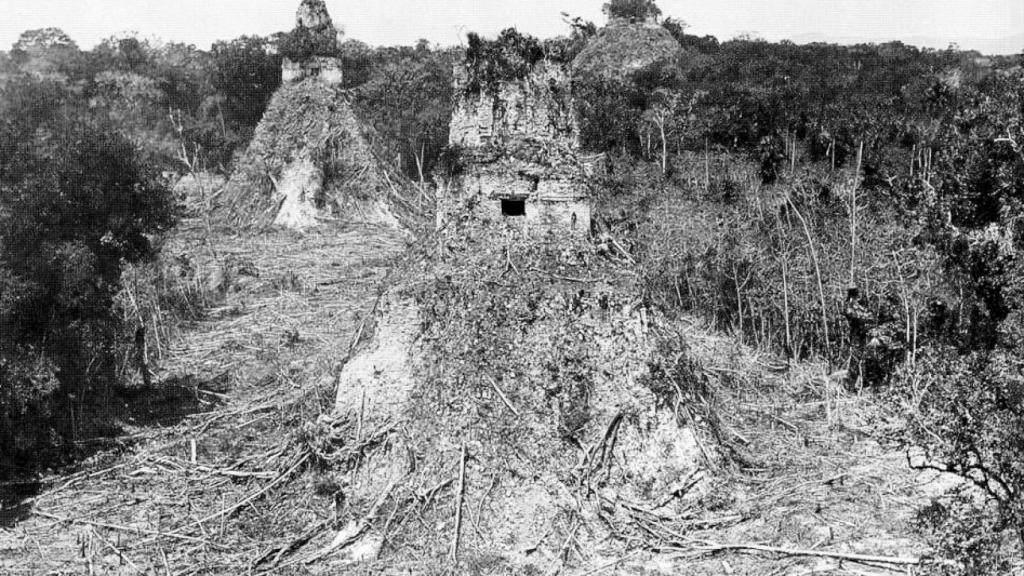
[(170, 401), (110, 425)]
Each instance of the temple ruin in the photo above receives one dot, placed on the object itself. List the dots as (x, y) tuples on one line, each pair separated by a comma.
[(314, 32), (310, 160), (519, 155), (624, 47)]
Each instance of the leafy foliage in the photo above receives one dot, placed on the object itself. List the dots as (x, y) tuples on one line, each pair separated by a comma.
[(407, 99), (247, 74), (303, 43), (969, 391), (511, 56), (632, 10), (46, 52), (964, 535), (70, 215)]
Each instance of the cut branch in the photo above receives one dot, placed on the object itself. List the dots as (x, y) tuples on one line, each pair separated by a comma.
[(711, 548)]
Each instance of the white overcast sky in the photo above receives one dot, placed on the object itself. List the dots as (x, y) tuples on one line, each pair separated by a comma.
[(980, 24)]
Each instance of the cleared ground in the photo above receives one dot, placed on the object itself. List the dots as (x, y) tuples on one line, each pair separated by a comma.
[(213, 490)]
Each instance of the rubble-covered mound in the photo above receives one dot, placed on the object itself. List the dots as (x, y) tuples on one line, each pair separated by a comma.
[(623, 47), (518, 399), (309, 160)]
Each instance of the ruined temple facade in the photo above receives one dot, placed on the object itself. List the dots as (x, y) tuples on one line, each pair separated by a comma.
[(519, 155), (315, 22), (326, 69)]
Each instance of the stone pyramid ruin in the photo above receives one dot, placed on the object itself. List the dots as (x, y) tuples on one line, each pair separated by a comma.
[(624, 47), (309, 159)]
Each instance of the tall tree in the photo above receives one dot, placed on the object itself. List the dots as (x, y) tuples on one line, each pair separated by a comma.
[(247, 72), (46, 52)]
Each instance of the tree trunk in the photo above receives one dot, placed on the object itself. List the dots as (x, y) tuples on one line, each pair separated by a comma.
[(664, 149), (142, 356)]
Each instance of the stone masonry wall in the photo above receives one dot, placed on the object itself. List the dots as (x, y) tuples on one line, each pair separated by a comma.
[(519, 143), (327, 70), (538, 107)]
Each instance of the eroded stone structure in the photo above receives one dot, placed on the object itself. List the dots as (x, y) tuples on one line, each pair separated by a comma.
[(314, 23), (327, 69), (520, 162)]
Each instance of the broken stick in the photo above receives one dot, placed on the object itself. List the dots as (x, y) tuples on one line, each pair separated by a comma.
[(710, 548), (504, 398), (458, 507)]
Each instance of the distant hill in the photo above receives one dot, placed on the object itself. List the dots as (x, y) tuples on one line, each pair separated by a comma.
[(989, 46)]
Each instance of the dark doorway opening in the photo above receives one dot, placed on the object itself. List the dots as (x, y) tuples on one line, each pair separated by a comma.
[(512, 207)]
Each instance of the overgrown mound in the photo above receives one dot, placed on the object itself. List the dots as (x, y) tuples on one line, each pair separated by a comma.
[(622, 48), (309, 159), (507, 400)]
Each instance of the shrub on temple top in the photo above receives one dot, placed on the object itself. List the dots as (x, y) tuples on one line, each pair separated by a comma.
[(633, 10), (304, 43), (509, 57)]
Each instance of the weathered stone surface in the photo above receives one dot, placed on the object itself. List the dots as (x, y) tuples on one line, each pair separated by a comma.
[(313, 14), (327, 70), (538, 107), (301, 184), (313, 19), (380, 379), (520, 143)]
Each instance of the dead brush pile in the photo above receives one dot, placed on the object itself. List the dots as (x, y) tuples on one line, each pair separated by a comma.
[(311, 133)]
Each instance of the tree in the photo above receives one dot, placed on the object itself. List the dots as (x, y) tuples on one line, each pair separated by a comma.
[(127, 53), (76, 202), (662, 114), (46, 52), (247, 73), (32, 42), (407, 98), (970, 405), (632, 10), (677, 28)]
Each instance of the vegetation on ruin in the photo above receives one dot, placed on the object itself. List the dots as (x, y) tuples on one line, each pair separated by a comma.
[(509, 57), (632, 10), (302, 43)]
